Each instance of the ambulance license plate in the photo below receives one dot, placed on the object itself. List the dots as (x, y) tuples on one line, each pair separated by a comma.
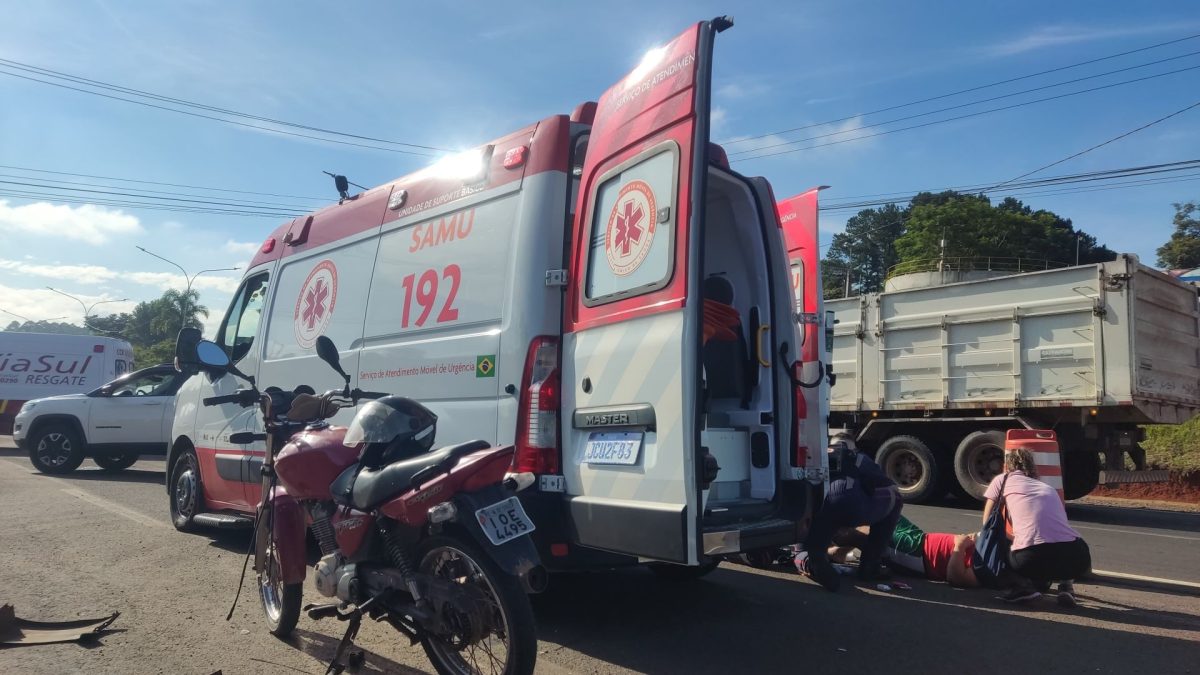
[(504, 521), (613, 447)]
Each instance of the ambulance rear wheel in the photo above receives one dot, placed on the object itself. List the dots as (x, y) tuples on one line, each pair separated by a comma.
[(682, 573)]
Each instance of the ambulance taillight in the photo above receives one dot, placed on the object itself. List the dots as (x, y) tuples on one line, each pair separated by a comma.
[(537, 419)]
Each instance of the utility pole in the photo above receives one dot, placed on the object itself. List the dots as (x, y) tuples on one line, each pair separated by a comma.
[(189, 279), (87, 309)]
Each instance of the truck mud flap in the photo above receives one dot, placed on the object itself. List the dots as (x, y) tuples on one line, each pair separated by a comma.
[(518, 557)]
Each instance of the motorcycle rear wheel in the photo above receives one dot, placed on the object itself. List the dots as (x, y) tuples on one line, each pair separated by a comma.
[(510, 647)]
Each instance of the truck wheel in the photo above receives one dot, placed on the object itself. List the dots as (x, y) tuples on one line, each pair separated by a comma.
[(116, 462), (56, 448), (186, 493), (1081, 473), (978, 459), (912, 465)]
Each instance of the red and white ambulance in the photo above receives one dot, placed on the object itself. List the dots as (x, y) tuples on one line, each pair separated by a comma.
[(599, 289)]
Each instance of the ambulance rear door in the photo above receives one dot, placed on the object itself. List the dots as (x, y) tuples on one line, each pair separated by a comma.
[(798, 217), (631, 333)]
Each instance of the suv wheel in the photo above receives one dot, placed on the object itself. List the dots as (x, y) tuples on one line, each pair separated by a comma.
[(186, 494), (55, 448)]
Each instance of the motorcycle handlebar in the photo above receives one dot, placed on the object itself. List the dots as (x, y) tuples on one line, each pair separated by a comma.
[(243, 397), (358, 393)]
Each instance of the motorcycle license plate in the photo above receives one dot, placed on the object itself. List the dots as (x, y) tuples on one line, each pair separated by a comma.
[(504, 521), (613, 447)]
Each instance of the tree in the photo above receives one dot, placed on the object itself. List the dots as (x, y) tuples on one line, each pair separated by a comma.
[(179, 309), (1182, 250), (45, 327), (864, 251), (971, 227)]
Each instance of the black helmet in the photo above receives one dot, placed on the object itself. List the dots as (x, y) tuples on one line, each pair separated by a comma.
[(392, 428)]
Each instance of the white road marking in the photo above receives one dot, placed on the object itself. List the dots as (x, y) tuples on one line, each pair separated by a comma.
[(1139, 577), (1110, 529), (114, 508)]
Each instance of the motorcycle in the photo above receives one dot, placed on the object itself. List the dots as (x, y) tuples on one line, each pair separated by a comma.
[(434, 544)]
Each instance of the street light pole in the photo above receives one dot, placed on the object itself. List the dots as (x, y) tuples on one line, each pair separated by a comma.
[(29, 320), (87, 309), (189, 279)]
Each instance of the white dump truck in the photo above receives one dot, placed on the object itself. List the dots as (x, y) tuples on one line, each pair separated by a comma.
[(931, 372)]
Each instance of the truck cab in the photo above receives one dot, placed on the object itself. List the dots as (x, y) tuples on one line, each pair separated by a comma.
[(599, 289)]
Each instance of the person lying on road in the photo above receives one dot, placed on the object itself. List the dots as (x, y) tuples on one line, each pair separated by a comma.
[(937, 556)]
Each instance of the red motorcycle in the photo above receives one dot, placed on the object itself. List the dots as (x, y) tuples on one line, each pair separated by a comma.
[(432, 542)]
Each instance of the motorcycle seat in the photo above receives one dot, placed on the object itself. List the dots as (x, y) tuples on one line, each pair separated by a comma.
[(364, 488)]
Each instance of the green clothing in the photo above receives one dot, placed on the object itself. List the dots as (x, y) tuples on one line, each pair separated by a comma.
[(908, 538)]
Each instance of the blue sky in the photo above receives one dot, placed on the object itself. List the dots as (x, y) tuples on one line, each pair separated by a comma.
[(455, 75)]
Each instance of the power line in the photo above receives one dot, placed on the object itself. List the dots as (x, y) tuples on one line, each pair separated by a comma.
[(211, 117), (202, 202), (67, 199), (26, 67), (1101, 145), (152, 182), (964, 91), (962, 105), (152, 193), (1106, 175), (969, 115), (969, 187)]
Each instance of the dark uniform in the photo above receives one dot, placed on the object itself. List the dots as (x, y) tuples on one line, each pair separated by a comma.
[(861, 495)]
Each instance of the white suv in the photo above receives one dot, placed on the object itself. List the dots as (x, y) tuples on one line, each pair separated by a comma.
[(113, 425)]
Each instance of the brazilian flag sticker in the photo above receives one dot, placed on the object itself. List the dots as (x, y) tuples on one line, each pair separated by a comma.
[(485, 366)]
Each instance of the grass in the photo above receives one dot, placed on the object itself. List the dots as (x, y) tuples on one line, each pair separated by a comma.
[(1174, 447)]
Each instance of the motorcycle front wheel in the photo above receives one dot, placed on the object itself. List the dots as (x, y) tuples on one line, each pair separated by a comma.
[(509, 646), (280, 600)]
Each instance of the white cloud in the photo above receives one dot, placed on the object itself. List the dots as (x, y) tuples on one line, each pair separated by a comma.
[(1055, 36), (247, 248), (718, 117), (41, 304), (97, 273), (88, 223), (165, 280), (82, 273)]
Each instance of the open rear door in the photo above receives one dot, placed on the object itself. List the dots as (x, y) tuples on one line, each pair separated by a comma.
[(798, 216), (631, 334)]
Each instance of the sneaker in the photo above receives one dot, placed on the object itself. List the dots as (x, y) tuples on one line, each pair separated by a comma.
[(1066, 595), (1021, 595)]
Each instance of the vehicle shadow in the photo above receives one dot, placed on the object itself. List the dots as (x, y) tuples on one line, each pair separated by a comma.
[(322, 647), (133, 475), (778, 622)]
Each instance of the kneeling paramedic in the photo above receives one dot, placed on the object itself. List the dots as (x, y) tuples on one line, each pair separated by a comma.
[(859, 494)]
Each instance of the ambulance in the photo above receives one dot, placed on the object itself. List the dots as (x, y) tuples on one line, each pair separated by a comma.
[(599, 289)]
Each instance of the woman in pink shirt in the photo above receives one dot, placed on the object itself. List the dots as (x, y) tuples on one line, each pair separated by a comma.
[(1045, 548)]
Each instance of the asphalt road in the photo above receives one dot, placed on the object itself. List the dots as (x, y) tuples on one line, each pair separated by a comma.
[(91, 543)]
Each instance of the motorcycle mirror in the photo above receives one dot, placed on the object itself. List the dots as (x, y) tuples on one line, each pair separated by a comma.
[(329, 354)]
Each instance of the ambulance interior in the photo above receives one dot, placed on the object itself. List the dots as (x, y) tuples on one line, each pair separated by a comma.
[(737, 433)]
